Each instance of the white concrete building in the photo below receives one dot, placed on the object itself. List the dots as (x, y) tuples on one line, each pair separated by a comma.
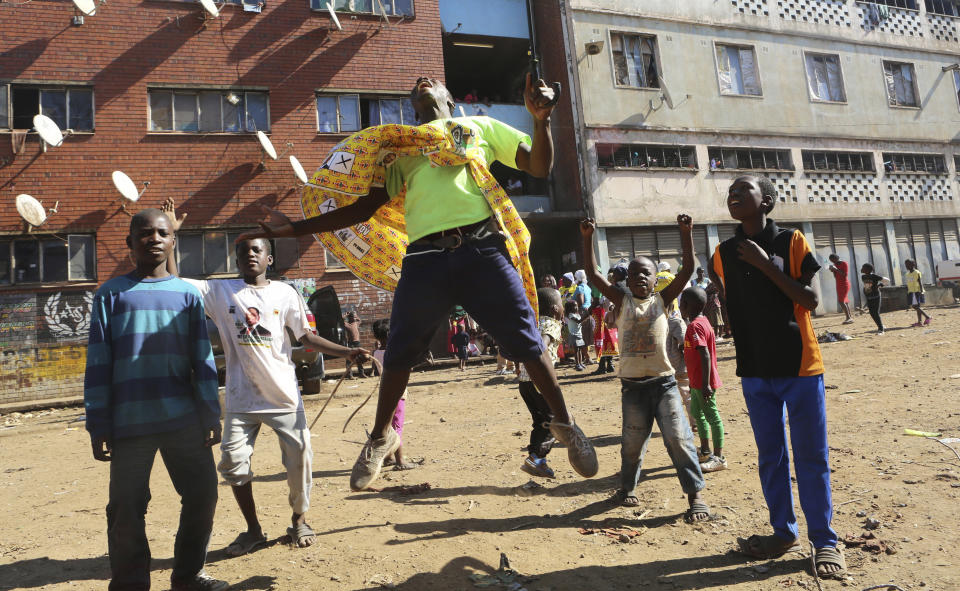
[(850, 107)]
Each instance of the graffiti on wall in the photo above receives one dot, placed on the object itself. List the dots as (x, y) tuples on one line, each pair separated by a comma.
[(18, 319), (66, 316), (43, 343)]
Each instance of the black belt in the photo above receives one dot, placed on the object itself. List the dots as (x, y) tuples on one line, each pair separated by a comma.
[(455, 237)]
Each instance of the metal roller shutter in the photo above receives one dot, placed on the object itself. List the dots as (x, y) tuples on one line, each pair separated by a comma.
[(619, 245)]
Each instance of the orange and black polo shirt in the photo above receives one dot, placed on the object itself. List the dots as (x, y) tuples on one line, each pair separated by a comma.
[(773, 336)]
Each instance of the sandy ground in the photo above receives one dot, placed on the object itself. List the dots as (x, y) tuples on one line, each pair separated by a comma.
[(470, 428)]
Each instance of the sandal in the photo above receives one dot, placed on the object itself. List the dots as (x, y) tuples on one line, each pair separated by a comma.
[(697, 508), (830, 555), (627, 500), (245, 543), (766, 547), (302, 535)]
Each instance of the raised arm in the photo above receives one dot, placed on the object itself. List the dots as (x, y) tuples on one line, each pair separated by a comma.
[(611, 292), (537, 160), (280, 226), (679, 283), (169, 208)]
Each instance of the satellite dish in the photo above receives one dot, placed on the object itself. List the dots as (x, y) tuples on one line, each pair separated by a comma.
[(267, 145), (298, 170), (48, 131), (210, 8), (333, 15), (665, 92), (87, 7), (126, 187), (31, 210)]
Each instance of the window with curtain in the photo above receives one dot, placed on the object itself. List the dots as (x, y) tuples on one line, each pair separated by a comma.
[(635, 60), (901, 84), (824, 78), (737, 70)]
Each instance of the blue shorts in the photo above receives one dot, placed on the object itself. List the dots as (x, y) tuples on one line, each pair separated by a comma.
[(478, 276), (915, 298)]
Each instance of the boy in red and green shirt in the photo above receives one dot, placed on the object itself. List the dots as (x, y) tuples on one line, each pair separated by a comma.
[(700, 355)]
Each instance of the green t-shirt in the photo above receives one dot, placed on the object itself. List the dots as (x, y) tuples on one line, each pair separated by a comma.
[(443, 197)]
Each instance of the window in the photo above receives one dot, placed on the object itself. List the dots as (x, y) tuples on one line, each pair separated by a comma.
[(824, 78), (837, 161), (70, 108), (956, 85), (332, 262), (635, 60), (901, 84), (947, 7), (737, 70), (956, 163), (249, 5), (213, 252), (213, 111), (645, 156), (911, 4), (379, 7), (48, 259), (749, 159), (4, 108), (927, 163), (351, 112)]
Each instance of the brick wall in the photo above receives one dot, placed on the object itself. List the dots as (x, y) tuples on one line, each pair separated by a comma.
[(130, 45)]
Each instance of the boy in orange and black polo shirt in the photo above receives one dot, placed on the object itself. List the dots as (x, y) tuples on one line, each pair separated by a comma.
[(766, 273)]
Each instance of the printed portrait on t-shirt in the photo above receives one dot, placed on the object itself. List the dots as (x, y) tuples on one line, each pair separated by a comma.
[(252, 332)]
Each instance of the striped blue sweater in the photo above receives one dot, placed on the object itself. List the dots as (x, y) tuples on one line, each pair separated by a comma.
[(150, 368)]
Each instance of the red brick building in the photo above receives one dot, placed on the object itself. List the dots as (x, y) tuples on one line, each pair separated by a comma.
[(157, 90)]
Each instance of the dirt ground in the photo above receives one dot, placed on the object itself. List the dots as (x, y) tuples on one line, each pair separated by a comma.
[(470, 428)]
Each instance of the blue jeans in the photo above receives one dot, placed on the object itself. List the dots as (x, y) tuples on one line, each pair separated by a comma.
[(769, 400), (480, 277), (190, 466), (642, 402)]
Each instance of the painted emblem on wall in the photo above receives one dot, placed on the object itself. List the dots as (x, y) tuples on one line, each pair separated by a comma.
[(65, 320)]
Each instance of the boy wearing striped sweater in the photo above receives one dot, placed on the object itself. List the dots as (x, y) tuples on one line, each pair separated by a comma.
[(151, 385)]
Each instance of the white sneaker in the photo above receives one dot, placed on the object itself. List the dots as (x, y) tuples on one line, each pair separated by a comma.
[(714, 464), (368, 465), (580, 451)]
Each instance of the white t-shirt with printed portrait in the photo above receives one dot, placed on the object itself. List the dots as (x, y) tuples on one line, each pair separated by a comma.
[(252, 320)]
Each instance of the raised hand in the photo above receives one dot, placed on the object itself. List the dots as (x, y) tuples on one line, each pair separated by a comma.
[(169, 209), (685, 222), (587, 227), (539, 98), (279, 225)]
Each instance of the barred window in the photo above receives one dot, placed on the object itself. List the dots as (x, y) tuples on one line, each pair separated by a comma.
[(814, 160), (646, 156), (749, 159), (928, 163)]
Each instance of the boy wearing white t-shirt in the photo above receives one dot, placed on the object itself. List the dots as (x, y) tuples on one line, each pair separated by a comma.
[(253, 315)]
